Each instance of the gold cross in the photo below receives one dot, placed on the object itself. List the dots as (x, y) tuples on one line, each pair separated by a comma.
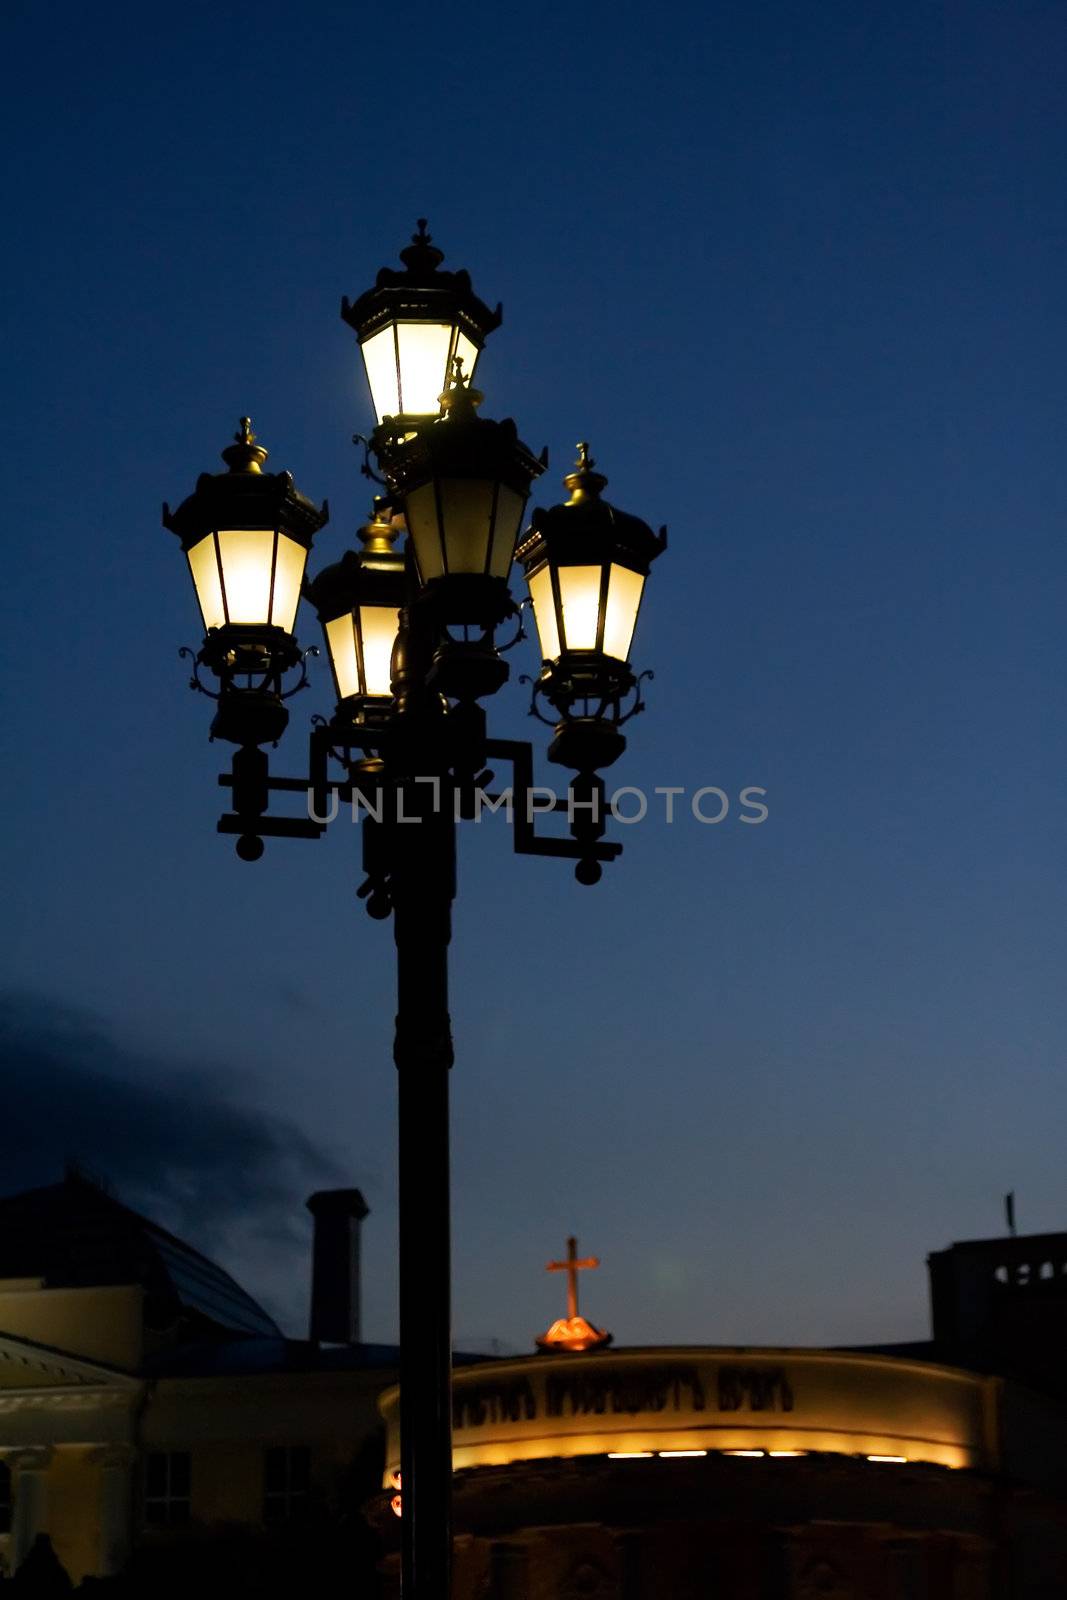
[(572, 1266)]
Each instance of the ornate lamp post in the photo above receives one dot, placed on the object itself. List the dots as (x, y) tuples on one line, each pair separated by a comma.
[(412, 639)]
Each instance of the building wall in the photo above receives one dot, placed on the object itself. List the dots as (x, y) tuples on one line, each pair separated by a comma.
[(96, 1324), (706, 1399), (73, 1506)]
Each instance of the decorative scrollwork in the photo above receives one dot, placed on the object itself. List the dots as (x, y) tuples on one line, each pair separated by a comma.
[(520, 628), (366, 469), (607, 707), (302, 681), (186, 653)]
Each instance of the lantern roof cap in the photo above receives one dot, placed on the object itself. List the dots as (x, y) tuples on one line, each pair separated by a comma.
[(464, 445), (245, 455), (421, 256), (460, 399), (374, 574), (381, 531), (421, 291), (245, 497), (587, 527), (584, 483)]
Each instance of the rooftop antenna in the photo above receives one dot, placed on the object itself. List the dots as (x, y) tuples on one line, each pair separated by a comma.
[(1009, 1212)]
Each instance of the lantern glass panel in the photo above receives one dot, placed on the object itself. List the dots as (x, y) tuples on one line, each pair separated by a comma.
[(204, 566), (509, 509), (620, 618), (423, 349), (420, 508), (341, 641), (247, 557), (469, 354), (467, 514), (579, 594), (544, 605), (379, 626), (289, 566), (379, 358)]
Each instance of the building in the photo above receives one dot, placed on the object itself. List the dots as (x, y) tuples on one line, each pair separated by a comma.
[(932, 1471), (154, 1419), (145, 1397)]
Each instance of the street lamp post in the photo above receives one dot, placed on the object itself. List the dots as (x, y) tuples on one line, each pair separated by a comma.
[(412, 635)]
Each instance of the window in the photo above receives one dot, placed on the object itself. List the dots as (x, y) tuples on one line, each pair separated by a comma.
[(286, 1482), (5, 1497), (166, 1489)]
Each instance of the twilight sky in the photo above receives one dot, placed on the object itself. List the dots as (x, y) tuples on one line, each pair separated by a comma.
[(797, 273)]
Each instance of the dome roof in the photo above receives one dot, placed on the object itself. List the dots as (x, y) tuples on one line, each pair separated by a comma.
[(75, 1234)]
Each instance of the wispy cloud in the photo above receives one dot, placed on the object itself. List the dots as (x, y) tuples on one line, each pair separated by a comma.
[(230, 1178)]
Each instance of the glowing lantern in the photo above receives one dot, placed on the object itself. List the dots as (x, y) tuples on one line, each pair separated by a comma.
[(586, 563), (465, 481), (412, 325), (358, 600), (246, 535)]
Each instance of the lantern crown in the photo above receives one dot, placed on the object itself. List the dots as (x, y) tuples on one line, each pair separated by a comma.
[(588, 528), (421, 291), (358, 600), (584, 483), (460, 399), (245, 497), (462, 444), (245, 455), (345, 584)]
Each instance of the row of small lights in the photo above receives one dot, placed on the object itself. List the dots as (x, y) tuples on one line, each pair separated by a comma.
[(777, 1455)]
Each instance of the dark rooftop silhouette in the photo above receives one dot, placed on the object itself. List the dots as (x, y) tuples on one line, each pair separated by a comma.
[(74, 1234)]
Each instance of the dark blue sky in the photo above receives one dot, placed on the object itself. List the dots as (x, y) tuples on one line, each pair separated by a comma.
[(797, 272)]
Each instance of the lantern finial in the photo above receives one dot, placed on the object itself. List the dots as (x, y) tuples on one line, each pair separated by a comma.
[(583, 482), (379, 534), (459, 399), (245, 455), (421, 256)]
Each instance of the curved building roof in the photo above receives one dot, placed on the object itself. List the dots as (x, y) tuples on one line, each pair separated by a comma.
[(75, 1234)]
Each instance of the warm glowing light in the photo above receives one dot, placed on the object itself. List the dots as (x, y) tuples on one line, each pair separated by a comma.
[(378, 631), (629, 1455), (245, 556), (248, 576), (204, 566), (673, 1454), (395, 1504), (586, 614), (380, 625), (544, 607), (341, 640), (855, 1406), (572, 1333), (579, 593), (620, 618), (408, 364)]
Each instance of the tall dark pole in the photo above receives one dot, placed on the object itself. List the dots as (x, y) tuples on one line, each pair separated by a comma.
[(423, 1055), (422, 887)]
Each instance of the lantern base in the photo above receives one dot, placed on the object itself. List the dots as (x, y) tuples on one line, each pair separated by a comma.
[(469, 600), (249, 717), (466, 671), (586, 744)]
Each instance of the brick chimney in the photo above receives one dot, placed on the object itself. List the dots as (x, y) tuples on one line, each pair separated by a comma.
[(335, 1265)]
